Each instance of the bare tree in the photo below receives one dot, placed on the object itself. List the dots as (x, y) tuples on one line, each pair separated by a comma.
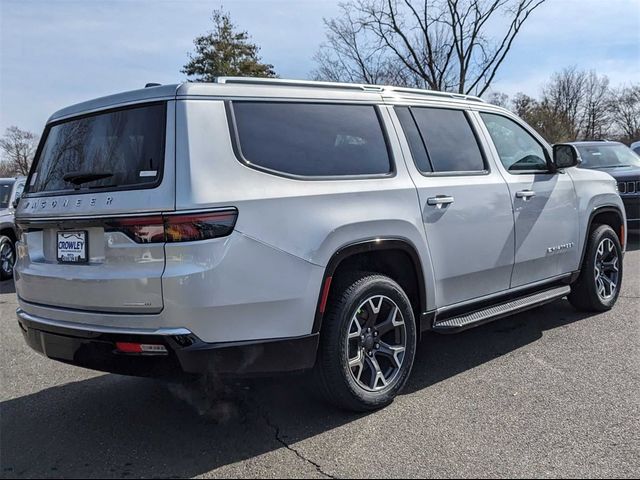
[(595, 109), (624, 109), (498, 98), (18, 148), (564, 95), (439, 44)]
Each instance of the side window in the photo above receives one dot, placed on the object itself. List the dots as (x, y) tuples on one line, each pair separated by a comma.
[(451, 144), (416, 144), (518, 149), (312, 139)]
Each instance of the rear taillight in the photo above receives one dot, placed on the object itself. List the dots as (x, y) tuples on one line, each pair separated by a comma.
[(187, 228), (175, 227)]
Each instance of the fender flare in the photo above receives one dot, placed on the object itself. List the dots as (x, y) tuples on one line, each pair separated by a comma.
[(374, 244), (596, 211)]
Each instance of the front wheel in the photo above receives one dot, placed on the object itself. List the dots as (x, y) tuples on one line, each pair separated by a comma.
[(598, 285), (367, 344), (7, 258)]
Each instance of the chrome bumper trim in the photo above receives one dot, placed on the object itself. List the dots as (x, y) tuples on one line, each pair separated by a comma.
[(100, 328)]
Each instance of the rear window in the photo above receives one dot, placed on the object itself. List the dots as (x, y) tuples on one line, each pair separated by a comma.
[(315, 140), (5, 192), (116, 149)]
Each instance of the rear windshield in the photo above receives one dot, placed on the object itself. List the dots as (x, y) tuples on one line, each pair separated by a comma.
[(117, 149), (5, 192)]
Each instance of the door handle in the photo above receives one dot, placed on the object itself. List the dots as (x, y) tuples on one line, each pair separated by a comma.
[(525, 194), (440, 200)]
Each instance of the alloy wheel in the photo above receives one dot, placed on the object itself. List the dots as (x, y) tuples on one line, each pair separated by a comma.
[(376, 343), (606, 269), (7, 259)]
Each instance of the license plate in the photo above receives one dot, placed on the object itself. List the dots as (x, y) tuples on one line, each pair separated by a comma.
[(72, 247)]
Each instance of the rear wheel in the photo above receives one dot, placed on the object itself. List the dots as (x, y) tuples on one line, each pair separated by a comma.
[(367, 344), (7, 258), (598, 286)]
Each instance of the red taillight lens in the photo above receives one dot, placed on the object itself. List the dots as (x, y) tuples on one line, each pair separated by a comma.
[(187, 228), (139, 229), (175, 228)]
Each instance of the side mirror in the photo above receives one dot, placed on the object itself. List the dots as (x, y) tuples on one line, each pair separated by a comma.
[(16, 201), (565, 155)]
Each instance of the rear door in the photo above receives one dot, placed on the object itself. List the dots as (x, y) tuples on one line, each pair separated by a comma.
[(465, 204), (544, 202), (92, 237)]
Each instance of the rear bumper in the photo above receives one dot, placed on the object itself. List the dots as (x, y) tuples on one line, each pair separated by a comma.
[(94, 347)]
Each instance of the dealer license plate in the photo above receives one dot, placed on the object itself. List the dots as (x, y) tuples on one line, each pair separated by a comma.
[(72, 247)]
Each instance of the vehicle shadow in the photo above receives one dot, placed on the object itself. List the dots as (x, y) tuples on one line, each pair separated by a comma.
[(113, 426)]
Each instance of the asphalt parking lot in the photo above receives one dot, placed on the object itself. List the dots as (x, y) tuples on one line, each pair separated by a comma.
[(547, 393)]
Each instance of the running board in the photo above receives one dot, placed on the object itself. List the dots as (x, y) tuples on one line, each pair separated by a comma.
[(462, 322)]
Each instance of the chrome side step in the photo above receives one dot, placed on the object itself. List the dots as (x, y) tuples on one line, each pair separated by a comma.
[(462, 322)]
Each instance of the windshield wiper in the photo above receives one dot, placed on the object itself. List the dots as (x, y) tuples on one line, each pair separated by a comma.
[(78, 178), (614, 166)]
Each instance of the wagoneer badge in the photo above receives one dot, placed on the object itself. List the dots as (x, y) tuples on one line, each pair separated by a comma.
[(557, 248), (92, 202)]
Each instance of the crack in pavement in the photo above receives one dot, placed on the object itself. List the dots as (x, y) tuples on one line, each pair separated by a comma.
[(280, 440)]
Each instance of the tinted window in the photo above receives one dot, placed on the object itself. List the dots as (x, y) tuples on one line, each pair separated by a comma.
[(517, 148), (416, 144), (5, 192), (312, 139), (451, 144), (127, 145)]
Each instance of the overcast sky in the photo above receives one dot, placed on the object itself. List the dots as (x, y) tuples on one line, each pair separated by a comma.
[(57, 52)]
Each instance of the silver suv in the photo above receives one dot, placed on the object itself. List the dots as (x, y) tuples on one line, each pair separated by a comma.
[(254, 226), (10, 190)]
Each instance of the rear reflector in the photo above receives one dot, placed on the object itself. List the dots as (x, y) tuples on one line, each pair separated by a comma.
[(126, 347), (175, 228), (325, 294)]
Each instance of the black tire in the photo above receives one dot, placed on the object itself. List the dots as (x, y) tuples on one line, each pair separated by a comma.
[(349, 303), (7, 258), (585, 295)]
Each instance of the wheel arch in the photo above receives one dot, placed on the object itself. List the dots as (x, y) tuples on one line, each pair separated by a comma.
[(375, 250), (605, 215), (9, 231)]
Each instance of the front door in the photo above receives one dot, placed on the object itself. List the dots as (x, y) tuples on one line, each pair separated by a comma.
[(544, 203)]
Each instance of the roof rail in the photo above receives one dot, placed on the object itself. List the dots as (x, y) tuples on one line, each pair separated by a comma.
[(434, 93), (346, 86), (292, 83)]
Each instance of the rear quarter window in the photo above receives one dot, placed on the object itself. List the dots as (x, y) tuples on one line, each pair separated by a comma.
[(311, 140)]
